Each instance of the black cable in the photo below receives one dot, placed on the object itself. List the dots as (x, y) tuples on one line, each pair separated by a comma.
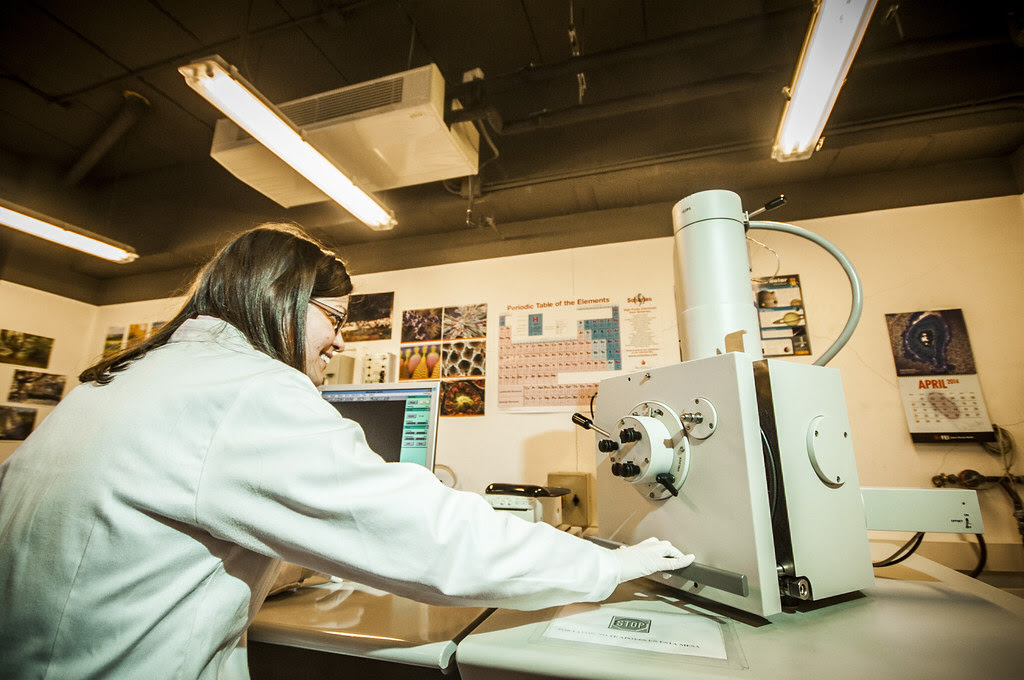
[(982, 556), (903, 553)]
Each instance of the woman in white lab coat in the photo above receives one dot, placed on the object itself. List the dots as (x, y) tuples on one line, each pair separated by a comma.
[(143, 522)]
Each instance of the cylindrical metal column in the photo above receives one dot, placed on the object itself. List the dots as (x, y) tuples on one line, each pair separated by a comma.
[(715, 306)]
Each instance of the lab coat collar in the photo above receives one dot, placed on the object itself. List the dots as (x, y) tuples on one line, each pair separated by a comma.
[(211, 329)]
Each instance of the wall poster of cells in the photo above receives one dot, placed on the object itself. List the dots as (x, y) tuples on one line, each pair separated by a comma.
[(25, 349), (117, 338), (369, 317), (33, 387), (16, 422), (447, 344)]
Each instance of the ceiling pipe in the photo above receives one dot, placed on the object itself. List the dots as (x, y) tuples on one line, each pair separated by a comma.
[(477, 90), (1013, 103), (132, 108), (687, 40), (614, 107)]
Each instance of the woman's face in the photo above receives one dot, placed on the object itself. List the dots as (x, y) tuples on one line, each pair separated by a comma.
[(322, 341)]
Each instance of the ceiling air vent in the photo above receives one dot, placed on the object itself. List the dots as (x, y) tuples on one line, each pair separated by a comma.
[(383, 134)]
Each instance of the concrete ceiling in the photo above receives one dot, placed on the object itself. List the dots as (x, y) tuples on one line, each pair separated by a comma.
[(681, 96)]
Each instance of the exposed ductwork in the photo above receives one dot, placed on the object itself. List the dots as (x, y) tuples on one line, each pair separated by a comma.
[(132, 108)]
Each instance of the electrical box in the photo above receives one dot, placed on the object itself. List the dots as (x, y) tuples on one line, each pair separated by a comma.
[(378, 367), (576, 505), (341, 370)]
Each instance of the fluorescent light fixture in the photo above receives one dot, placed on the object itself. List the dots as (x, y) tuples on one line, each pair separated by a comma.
[(34, 223), (832, 40), (219, 82)]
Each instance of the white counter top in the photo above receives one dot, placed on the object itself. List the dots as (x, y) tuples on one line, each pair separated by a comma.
[(349, 619)]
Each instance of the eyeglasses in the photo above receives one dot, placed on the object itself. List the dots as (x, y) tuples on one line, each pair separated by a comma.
[(335, 316)]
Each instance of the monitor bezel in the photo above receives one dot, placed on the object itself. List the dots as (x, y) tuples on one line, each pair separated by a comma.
[(432, 386)]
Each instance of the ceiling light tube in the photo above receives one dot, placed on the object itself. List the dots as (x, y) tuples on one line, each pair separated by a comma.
[(836, 30), (33, 223), (220, 84)]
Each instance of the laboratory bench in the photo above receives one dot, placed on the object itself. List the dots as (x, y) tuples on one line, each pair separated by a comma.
[(920, 620), (368, 633)]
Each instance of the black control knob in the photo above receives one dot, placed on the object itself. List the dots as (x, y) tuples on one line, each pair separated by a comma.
[(629, 435), (625, 469), (607, 446)]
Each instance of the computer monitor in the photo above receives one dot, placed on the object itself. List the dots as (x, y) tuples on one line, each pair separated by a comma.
[(399, 419)]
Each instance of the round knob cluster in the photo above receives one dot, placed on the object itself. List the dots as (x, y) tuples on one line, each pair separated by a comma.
[(629, 435), (625, 469)]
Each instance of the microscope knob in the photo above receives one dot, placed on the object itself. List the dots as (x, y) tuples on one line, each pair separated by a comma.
[(625, 469), (629, 435), (607, 446)]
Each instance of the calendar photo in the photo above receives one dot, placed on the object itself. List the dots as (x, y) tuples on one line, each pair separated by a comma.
[(935, 371)]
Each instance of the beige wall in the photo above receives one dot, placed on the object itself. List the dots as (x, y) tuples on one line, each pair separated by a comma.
[(962, 255), (966, 255)]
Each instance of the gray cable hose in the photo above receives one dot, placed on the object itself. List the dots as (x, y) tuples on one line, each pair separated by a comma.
[(857, 305)]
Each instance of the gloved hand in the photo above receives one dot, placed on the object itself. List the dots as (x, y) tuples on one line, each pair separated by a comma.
[(648, 557)]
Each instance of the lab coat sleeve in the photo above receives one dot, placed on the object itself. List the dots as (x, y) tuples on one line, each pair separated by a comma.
[(286, 476)]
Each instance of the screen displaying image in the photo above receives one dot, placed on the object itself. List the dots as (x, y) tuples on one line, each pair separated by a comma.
[(399, 419)]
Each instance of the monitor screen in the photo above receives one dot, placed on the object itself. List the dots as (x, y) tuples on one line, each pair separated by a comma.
[(399, 419)]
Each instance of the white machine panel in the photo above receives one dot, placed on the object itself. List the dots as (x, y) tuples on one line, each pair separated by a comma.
[(951, 511), (822, 498), (722, 511)]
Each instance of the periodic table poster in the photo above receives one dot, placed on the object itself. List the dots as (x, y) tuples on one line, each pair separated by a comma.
[(553, 353), (937, 379)]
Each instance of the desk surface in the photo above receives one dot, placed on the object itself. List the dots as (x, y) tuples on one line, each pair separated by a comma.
[(346, 618), (941, 626)]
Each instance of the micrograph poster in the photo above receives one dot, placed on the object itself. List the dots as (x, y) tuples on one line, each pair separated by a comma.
[(462, 397), (25, 349), (447, 344), (369, 317), (32, 387), (420, 361), (421, 325), (114, 341), (117, 338), (16, 422), (780, 308), (137, 332), (937, 378)]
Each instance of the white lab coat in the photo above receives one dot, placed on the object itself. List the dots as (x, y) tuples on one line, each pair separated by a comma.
[(141, 524)]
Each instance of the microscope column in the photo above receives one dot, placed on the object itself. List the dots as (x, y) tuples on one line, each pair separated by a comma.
[(714, 301)]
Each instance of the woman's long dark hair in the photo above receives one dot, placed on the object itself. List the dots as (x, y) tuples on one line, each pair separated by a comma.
[(260, 283)]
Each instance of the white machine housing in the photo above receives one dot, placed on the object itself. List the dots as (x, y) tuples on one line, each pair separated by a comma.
[(761, 479)]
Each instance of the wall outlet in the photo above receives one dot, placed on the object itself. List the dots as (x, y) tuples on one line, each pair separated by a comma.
[(576, 506)]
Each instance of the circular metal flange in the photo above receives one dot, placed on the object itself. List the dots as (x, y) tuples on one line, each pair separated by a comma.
[(825, 444), (702, 420), (663, 447)]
